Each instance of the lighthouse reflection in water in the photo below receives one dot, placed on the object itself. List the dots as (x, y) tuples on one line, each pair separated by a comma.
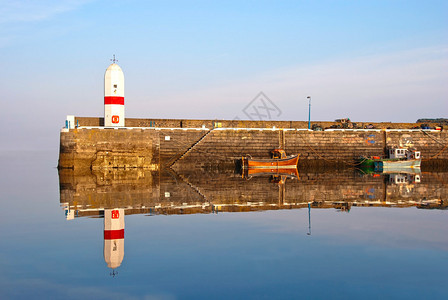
[(113, 234), (113, 237)]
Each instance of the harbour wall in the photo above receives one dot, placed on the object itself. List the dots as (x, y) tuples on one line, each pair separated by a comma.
[(92, 147)]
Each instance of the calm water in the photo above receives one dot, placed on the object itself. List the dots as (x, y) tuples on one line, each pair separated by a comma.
[(217, 235)]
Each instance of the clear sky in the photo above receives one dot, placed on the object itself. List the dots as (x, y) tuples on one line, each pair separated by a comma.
[(367, 60)]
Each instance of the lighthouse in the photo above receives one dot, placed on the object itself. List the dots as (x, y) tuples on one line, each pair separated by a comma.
[(114, 96), (113, 237)]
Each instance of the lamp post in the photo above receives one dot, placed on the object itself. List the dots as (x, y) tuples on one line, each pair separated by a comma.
[(309, 111)]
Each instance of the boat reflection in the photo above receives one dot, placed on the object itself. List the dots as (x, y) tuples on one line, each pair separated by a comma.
[(284, 173)]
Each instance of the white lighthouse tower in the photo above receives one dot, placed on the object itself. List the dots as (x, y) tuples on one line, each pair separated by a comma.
[(114, 96)]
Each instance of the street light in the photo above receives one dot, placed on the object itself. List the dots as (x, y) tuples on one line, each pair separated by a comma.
[(309, 111)]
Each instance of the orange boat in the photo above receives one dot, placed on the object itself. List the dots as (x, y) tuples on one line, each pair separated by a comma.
[(278, 161)]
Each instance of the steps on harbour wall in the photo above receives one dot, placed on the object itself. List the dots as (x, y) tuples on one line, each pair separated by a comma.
[(221, 147), (178, 157), (175, 142)]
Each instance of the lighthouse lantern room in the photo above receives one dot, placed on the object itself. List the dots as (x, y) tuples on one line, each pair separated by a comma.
[(114, 96)]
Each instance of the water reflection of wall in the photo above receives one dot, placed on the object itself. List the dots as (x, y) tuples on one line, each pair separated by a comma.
[(165, 192), (112, 194)]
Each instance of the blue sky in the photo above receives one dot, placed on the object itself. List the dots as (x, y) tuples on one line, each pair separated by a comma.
[(367, 60)]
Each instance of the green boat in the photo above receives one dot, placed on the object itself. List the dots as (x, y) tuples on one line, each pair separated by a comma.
[(399, 158)]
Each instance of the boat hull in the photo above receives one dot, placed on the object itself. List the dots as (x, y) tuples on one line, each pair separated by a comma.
[(396, 164), (271, 164)]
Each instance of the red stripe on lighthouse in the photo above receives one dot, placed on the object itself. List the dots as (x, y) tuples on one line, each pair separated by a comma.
[(114, 100), (114, 234)]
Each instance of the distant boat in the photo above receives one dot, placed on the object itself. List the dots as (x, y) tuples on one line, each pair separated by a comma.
[(399, 158), (279, 161)]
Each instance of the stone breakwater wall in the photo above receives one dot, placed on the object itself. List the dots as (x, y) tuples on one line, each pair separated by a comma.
[(86, 148)]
